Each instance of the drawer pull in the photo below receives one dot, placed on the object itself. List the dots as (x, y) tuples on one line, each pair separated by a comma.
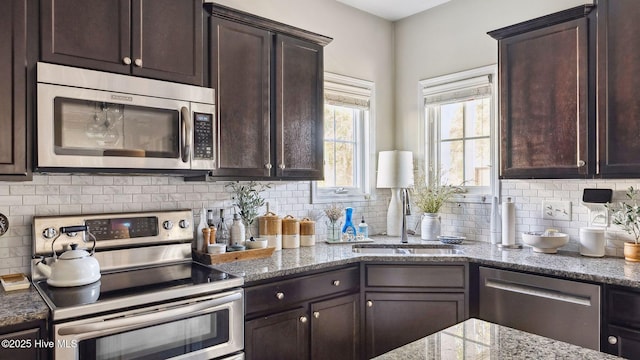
[(316, 314), (336, 282), (369, 303), (138, 62), (303, 319), (279, 295), (612, 340), (126, 60)]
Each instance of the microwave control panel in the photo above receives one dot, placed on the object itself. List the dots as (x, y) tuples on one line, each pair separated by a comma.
[(203, 136)]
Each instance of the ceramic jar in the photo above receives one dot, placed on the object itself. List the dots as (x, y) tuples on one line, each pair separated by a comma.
[(430, 226), (307, 232), (290, 232), (270, 228)]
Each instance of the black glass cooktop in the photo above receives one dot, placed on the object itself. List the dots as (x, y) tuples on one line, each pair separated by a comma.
[(137, 287)]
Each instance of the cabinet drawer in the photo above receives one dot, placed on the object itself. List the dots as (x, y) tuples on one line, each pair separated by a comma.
[(421, 276), (287, 292)]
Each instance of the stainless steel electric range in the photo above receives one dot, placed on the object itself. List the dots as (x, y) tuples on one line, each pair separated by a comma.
[(151, 301)]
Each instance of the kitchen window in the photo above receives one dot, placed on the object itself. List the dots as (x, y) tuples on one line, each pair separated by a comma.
[(460, 134), (348, 118)]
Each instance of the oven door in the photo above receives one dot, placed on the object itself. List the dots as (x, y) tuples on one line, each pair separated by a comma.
[(200, 328), (85, 128)]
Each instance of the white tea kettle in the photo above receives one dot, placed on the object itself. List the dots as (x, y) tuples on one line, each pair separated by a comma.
[(74, 267)]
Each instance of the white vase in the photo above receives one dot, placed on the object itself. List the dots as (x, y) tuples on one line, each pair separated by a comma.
[(430, 226)]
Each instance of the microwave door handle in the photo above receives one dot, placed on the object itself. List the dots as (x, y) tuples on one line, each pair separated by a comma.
[(187, 128), (148, 319)]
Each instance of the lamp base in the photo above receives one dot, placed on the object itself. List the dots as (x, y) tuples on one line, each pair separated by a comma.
[(394, 214)]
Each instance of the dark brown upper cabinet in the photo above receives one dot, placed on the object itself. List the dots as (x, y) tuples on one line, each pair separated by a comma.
[(15, 95), (546, 123), (618, 83), (160, 39), (268, 79)]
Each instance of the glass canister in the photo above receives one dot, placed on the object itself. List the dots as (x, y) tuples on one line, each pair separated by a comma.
[(290, 232), (307, 232), (270, 228)]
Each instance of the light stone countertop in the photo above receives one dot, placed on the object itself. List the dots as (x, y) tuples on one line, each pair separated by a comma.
[(567, 264), (476, 339), (20, 306)]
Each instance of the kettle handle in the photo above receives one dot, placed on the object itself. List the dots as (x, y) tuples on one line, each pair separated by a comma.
[(73, 229)]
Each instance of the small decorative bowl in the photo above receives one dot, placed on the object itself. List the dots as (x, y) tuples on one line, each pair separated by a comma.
[(451, 239), (256, 244)]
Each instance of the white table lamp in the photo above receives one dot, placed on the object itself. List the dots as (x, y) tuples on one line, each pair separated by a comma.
[(395, 172)]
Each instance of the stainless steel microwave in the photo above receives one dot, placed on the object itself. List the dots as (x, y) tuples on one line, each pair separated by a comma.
[(98, 121)]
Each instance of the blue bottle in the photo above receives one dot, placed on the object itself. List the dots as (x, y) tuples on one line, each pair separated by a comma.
[(348, 227)]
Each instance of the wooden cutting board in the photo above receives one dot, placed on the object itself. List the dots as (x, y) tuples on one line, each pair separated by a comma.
[(210, 259)]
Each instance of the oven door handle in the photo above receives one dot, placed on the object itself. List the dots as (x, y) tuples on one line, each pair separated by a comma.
[(148, 319)]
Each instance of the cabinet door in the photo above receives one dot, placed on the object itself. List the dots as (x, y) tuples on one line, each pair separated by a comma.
[(544, 93), (240, 74), (93, 34), (280, 336), (13, 92), (299, 109), (23, 345), (623, 342), (167, 40), (396, 319), (618, 81), (335, 328)]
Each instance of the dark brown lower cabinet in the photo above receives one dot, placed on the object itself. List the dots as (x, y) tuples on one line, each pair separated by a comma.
[(396, 319), (279, 336), (621, 319), (315, 316), (21, 341)]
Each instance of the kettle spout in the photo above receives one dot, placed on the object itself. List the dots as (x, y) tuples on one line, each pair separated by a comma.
[(44, 269)]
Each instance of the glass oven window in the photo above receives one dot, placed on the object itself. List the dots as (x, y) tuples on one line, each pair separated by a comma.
[(160, 341), (94, 128)]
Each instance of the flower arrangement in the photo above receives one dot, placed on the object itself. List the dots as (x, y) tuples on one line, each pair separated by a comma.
[(333, 212), (248, 199), (627, 216), (430, 197)]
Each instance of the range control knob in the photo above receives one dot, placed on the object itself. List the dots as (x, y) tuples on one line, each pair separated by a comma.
[(49, 233), (167, 224), (184, 224)]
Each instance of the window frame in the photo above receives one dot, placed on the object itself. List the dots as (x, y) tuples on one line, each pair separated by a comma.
[(430, 136), (363, 90)]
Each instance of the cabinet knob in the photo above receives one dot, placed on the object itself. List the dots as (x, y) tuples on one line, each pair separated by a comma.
[(279, 295), (138, 62), (581, 163), (282, 166), (612, 340), (126, 60), (336, 283), (316, 314), (369, 303), (268, 166), (303, 319)]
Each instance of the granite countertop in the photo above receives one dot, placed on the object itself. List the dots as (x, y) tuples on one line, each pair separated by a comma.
[(608, 270), (477, 339), (20, 306)]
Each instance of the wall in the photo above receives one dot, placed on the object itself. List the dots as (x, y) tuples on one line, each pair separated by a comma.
[(85, 194), (451, 38)]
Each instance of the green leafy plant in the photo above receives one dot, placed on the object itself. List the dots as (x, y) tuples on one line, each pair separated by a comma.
[(627, 215), (429, 197), (248, 199)]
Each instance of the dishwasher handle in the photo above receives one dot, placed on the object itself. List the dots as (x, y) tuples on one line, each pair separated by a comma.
[(537, 291)]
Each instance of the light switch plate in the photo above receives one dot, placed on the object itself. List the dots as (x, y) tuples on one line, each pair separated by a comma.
[(556, 210)]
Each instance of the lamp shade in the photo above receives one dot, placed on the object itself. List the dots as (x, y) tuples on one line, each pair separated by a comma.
[(395, 169)]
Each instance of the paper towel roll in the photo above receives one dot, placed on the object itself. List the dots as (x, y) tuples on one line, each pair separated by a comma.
[(508, 222)]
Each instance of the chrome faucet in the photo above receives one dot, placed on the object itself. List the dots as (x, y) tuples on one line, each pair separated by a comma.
[(406, 210)]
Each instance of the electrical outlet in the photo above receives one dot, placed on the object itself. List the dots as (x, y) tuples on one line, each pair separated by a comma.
[(556, 210)]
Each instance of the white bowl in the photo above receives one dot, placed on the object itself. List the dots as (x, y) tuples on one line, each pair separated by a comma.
[(545, 243), (216, 248), (256, 243)]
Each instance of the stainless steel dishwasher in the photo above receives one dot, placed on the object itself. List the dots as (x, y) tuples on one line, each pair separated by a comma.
[(559, 309)]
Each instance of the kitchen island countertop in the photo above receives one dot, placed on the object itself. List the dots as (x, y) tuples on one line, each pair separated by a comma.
[(476, 339)]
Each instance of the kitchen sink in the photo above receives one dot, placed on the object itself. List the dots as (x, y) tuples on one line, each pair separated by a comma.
[(405, 249)]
